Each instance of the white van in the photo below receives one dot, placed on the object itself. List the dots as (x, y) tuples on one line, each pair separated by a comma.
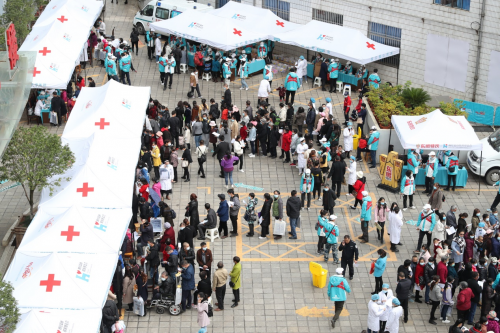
[(160, 10), (490, 166)]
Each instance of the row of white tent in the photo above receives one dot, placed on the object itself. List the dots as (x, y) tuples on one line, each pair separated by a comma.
[(63, 269), (58, 37), (236, 25)]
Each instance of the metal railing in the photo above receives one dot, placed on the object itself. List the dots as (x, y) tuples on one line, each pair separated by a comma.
[(386, 35), (328, 17), (278, 7)]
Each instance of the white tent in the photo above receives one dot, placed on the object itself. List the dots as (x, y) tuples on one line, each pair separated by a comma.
[(436, 131), (49, 320), (247, 16), (76, 230), (61, 280), (58, 37), (223, 33), (337, 41)]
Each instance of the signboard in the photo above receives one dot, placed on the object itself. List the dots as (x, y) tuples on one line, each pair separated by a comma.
[(477, 113), (156, 223), (390, 171), (10, 37)]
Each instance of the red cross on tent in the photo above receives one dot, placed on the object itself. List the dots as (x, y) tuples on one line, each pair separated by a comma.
[(85, 189), (50, 283), (370, 46), (102, 123), (237, 32), (44, 51), (281, 24), (35, 72), (70, 233), (62, 19)]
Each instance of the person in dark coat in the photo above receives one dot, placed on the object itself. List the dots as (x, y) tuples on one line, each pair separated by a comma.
[(187, 284), (323, 73), (488, 295), (227, 97), (187, 253), (186, 156), (493, 267), (142, 287), (221, 150), (261, 131), (273, 137), (109, 315), (177, 56), (146, 235), (175, 128), (153, 257), (204, 286), (265, 213), (192, 211), (185, 235), (57, 105), (118, 284), (336, 174), (210, 224), (329, 198), (134, 40), (477, 290)]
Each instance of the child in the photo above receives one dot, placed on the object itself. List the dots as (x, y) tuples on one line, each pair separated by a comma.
[(281, 90)]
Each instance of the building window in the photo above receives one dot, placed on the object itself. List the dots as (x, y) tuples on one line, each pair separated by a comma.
[(220, 3), (386, 35), (278, 7), (461, 4), (328, 17)]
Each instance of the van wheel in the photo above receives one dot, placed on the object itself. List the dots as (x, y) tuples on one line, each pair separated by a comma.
[(140, 29), (492, 176)]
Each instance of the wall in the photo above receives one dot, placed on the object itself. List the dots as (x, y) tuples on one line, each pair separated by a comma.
[(417, 19)]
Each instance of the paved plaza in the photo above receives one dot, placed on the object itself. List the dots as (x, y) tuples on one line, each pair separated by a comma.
[(277, 293)]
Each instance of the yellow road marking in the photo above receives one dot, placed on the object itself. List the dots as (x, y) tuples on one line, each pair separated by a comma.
[(209, 189), (322, 312)]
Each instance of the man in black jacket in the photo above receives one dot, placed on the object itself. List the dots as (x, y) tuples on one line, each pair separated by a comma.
[(329, 198), (221, 150), (214, 110), (350, 254), (146, 235), (210, 224), (451, 221), (154, 260), (402, 291), (310, 118), (175, 128), (57, 105), (429, 271), (109, 315), (273, 137), (166, 288), (293, 205), (261, 131), (204, 286), (405, 268), (172, 262), (227, 97), (477, 290), (177, 56), (336, 174)]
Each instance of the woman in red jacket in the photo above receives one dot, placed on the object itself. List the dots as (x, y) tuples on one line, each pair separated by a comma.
[(286, 143), (359, 186), (463, 300), (419, 279)]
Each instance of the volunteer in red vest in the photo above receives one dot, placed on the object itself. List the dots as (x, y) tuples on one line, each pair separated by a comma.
[(431, 170), (426, 223), (373, 145), (337, 288), (347, 106), (452, 168), (366, 216), (333, 69), (374, 79), (292, 84)]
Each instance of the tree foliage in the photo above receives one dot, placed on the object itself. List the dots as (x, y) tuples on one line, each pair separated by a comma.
[(9, 313), (403, 100), (34, 158)]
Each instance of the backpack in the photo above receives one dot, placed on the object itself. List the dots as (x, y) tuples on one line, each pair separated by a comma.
[(354, 115), (174, 215), (190, 94), (206, 128), (210, 311), (443, 198), (214, 110)]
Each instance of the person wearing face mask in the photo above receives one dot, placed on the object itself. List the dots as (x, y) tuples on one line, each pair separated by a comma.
[(430, 271), (235, 282), (431, 170), (348, 138), (187, 252), (381, 211), (427, 219), (480, 231), (477, 291), (394, 227), (419, 279), (366, 216), (476, 218), (155, 154), (385, 300), (204, 259), (277, 210), (493, 217), (331, 232), (329, 198), (436, 198), (306, 187), (337, 288), (451, 221), (374, 313), (154, 260), (439, 231)]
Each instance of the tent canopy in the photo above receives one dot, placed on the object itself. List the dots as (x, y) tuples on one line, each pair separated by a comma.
[(58, 37), (223, 33), (47, 320), (436, 131), (337, 41), (247, 15)]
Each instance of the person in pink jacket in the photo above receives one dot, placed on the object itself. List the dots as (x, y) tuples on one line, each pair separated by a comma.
[(227, 164), (381, 211), (157, 186)]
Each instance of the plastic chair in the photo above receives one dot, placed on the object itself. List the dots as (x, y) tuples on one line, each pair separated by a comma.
[(347, 87), (317, 82), (184, 68), (212, 234), (206, 76), (340, 84)]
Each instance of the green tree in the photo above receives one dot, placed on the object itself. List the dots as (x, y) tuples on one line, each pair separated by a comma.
[(34, 158), (9, 313)]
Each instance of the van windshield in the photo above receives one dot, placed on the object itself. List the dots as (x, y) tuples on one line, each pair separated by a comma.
[(494, 140)]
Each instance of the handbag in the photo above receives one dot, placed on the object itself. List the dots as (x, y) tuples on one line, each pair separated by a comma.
[(372, 268), (354, 193), (184, 164), (232, 284), (378, 226), (203, 157)]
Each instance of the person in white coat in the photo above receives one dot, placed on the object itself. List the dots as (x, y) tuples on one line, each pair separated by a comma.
[(264, 90), (385, 299), (351, 178), (394, 315), (394, 228), (301, 66), (157, 48), (166, 179), (439, 228), (374, 313), (348, 138), (301, 150)]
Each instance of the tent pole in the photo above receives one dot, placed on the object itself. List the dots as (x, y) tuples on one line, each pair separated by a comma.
[(480, 165), (389, 145)]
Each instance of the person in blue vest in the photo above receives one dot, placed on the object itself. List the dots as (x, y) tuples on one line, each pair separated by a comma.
[(243, 73), (191, 47), (125, 62), (268, 74), (412, 162), (108, 49), (337, 288), (262, 51), (111, 68), (373, 144), (216, 65), (150, 44), (292, 84), (427, 219), (226, 71), (431, 170), (333, 69), (366, 216), (362, 73), (452, 169), (169, 71), (348, 68), (162, 61), (331, 231), (374, 79), (408, 189), (248, 51)]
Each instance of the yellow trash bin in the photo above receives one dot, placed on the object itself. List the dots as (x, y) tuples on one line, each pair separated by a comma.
[(319, 274), (355, 138)]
